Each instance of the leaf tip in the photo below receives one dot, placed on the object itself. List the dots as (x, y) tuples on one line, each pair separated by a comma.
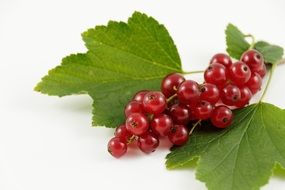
[(37, 88)]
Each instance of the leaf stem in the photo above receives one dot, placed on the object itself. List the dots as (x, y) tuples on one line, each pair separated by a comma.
[(253, 41), (192, 72), (272, 69), (194, 126), (268, 81)]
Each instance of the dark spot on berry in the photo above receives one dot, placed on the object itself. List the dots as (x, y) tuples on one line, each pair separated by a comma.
[(257, 56), (134, 124), (225, 120), (173, 130), (203, 103), (235, 97), (245, 69), (203, 89), (151, 97), (209, 68)]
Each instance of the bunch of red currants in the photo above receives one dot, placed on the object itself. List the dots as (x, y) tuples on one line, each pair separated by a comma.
[(153, 114)]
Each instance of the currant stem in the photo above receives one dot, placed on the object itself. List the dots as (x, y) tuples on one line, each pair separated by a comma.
[(268, 81), (252, 40), (192, 72), (171, 98), (194, 126)]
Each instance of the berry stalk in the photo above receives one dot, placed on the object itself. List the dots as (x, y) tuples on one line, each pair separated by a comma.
[(194, 126), (192, 72)]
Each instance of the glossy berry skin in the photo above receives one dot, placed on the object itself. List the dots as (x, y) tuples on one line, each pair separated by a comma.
[(179, 113), (209, 93), (170, 84), (245, 97), (216, 74), (148, 142), (133, 107), (161, 124), (252, 58), (203, 110), (188, 92), (192, 115), (230, 94), (178, 135), (137, 123), (122, 133), (254, 83), (222, 116), (116, 147), (140, 95), (260, 70), (154, 102), (222, 58), (239, 73)]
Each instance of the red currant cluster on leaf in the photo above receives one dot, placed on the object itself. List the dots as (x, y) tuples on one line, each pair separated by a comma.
[(153, 114)]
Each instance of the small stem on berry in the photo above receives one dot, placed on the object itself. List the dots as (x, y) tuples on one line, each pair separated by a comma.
[(252, 40), (268, 81), (194, 126), (171, 98), (191, 72)]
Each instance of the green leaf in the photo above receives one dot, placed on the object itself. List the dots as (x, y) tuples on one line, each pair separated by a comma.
[(241, 157), (236, 43), (122, 58), (271, 53)]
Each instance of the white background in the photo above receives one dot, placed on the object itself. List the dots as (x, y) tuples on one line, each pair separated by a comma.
[(47, 143)]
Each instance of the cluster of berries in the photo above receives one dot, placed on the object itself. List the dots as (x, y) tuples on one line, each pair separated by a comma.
[(153, 114)]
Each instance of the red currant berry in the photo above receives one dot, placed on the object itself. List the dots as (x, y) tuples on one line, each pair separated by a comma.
[(133, 107), (252, 58), (122, 133), (216, 74), (222, 116), (188, 92), (170, 84), (137, 123), (260, 70), (230, 94), (239, 73), (179, 113), (254, 83), (203, 110), (222, 58), (192, 115), (154, 102), (140, 95), (148, 142), (116, 147), (178, 135), (209, 93), (245, 97), (161, 124)]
